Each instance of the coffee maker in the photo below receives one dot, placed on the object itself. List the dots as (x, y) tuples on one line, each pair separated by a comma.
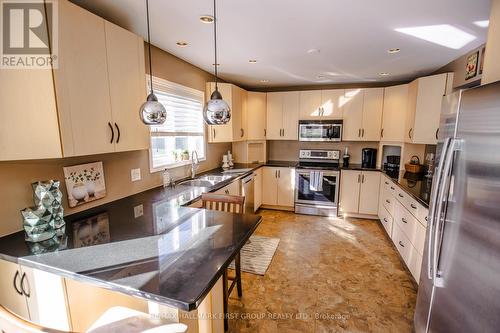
[(369, 158)]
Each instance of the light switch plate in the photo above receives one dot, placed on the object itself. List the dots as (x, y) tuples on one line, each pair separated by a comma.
[(135, 174), (138, 211)]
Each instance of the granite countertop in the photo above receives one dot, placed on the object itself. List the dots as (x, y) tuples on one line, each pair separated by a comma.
[(416, 185), (167, 253)]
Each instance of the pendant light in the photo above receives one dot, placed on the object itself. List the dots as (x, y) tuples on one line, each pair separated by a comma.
[(216, 111), (152, 112)]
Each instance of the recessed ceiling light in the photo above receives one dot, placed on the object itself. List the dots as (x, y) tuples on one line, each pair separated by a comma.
[(182, 44), (443, 34), (394, 50), (264, 81), (311, 51), (482, 24), (384, 74), (252, 61), (207, 19)]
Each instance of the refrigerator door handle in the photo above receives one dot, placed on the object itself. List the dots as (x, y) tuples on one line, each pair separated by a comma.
[(435, 202), (443, 193)]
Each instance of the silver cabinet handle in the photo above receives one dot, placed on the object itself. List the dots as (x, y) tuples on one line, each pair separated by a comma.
[(392, 188), (27, 293), (409, 132), (112, 133), (242, 132), (283, 132), (265, 132), (279, 173), (387, 200), (413, 206), (382, 133), (386, 183), (404, 220), (362, 132), (119, 134), (213, 129), (401, 243), (400, 195), (359, 132), (359, 178), (385, 220), (16, 277), (363, 178)]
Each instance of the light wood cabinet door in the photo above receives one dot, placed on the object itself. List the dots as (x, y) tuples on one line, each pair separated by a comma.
[(28, 115), (373, 103), (256, 116), (411, 110), (369, 192), (244, 114), (394, 113), (12, 299), (310, 104), (269, 186), (332, 103), (431, 90), (353, 115), (274, 115), (290, 115), (286, 187), (82, 85), (127, 86), (350, 182), (236, 113), (258, 189), (221, 133)]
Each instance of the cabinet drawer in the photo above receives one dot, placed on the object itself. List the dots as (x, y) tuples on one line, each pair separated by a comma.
[(414, 231), (388, 201), (386, 220), (415, 264), (401, 242), (422, 215)]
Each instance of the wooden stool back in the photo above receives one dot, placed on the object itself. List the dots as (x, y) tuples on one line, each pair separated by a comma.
[(223, 202)]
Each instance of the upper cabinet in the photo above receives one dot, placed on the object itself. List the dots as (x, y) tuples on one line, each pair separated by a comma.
[(394, 113), (256, 116), (235, 129), (282, 115), (362, 114), (320, 104), (100, 85), (425, 96)]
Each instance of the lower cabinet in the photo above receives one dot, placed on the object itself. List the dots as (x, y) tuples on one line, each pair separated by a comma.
[(231, 189), (278, 186), (359, 192), (11, 295), (257, 189)]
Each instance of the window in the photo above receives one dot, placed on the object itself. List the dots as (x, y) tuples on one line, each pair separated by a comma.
[(184, 130)]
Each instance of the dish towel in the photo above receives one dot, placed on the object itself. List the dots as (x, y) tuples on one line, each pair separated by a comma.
[(316, 181)]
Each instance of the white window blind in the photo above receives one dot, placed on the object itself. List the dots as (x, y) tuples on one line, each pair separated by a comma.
[(173, 142)]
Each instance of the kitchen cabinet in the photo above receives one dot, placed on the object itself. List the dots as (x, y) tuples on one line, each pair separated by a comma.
[(282, 115), (363, 114), (258, 188), (235, 129), (278, 186), (28, 120), (231, 189), (126, 70), (12, 296), (394, 113), (321, 104), (100, 85), (359, 192), (425, 96), (256, 116)]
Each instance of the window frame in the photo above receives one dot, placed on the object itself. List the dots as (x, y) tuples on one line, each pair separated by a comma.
[(173, 88)]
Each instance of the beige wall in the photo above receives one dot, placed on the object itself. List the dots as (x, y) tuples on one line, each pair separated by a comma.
[(457, 67), (16, 177), (289, 150)]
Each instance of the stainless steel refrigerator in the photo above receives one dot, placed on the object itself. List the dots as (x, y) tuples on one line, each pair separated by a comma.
[(459, 288)]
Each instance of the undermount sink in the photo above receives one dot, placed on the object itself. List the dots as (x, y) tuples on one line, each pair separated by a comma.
[(205, 181)]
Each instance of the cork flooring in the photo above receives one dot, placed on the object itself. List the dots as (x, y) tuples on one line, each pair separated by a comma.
[(328, 275)]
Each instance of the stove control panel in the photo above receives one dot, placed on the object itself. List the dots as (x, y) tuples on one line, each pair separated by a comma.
[(319, 154)]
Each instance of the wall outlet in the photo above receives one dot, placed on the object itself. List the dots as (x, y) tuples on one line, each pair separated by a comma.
[(135, 174), (138, 211)]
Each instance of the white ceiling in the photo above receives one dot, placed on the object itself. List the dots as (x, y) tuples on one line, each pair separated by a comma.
[(353, 36)]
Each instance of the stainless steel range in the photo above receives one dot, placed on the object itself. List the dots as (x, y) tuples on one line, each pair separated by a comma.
[(317, 182)]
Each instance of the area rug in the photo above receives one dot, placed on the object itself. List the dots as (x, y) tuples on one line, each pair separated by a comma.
[(257, 254)]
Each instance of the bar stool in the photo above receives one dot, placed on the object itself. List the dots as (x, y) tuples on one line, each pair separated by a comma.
[(115, 320), (231, 204)]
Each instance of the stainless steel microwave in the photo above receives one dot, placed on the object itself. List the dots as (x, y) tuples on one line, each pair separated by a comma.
[(320, 130)]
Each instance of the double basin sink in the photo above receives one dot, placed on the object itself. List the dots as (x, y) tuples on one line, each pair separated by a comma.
[(212, 180)]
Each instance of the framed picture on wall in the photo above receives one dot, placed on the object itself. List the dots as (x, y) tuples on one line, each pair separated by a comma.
[(84, 183), (471, 65)]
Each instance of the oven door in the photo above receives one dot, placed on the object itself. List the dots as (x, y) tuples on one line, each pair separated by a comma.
[(320, 132), (328, 195)]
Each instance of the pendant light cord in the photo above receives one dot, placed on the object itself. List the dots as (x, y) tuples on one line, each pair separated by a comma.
[(215, 44), (149, 49)]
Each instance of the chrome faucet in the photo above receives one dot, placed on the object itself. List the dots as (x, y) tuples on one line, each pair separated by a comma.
[(194, 165)]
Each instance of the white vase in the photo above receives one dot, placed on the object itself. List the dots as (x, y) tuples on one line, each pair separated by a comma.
[(79, 192), (90, 186)]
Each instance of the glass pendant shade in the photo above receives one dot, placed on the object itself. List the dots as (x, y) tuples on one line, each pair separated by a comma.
[(216, 111), (153, 112)]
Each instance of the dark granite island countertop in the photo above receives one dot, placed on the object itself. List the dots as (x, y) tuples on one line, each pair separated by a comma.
[(146, 245)]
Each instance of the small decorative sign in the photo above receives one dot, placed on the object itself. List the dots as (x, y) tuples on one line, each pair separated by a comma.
[(471, 66), (84, 183)]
